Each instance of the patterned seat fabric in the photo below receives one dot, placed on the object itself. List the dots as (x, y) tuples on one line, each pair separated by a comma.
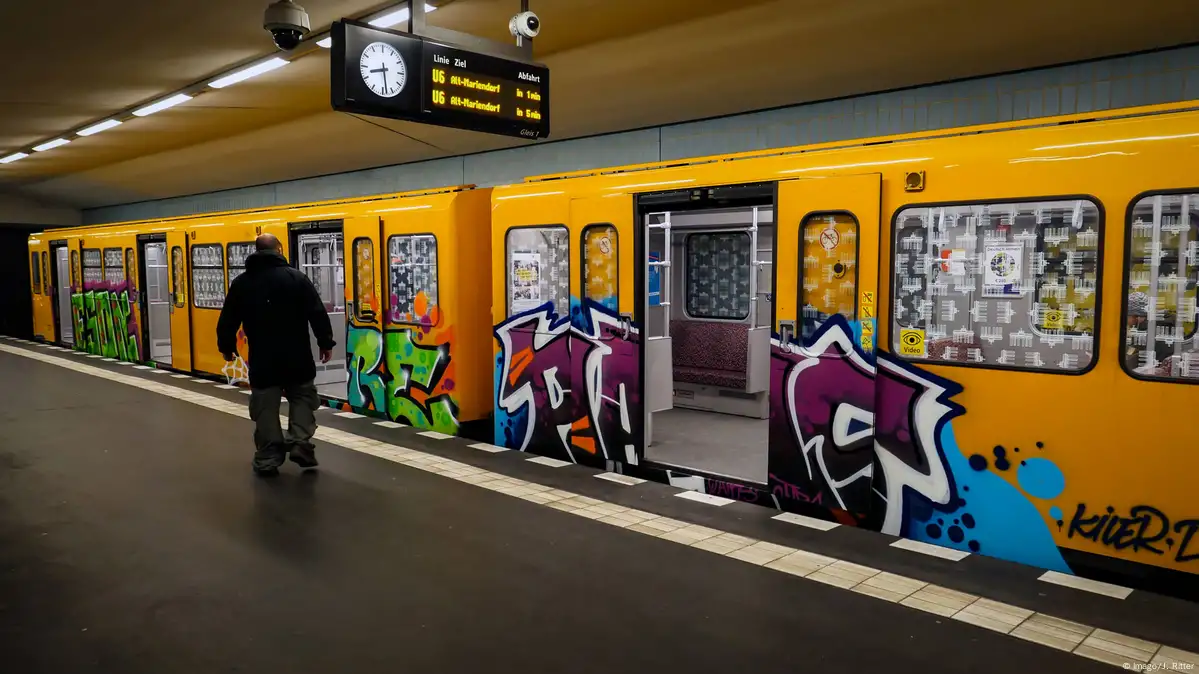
[(710, 353)]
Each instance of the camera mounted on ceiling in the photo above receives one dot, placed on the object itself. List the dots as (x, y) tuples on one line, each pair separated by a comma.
[(287, 22), (525, 25)]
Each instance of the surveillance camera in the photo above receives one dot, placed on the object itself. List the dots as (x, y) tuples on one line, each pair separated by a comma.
[(525, 24), (288, 23)]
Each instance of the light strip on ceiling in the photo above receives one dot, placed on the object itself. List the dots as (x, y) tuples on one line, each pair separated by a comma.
[(51, 144), (97, 128), (161, 105), (247, 73), (13, 157), (399, 16)]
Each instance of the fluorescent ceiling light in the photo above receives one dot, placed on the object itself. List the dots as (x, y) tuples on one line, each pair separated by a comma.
[(246, 73), (50, 145), (162, 105), (13, 157), (97, 128), (398, 16), (325, 43)]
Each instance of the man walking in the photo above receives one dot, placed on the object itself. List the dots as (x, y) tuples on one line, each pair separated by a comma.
[(276, 303)]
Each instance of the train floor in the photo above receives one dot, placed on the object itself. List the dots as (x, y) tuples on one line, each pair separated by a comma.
[(134, 539)]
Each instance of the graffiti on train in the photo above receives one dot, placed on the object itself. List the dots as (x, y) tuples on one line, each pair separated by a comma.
[(406, 372), (104, 323), (237, 371), (872, 435), (567, 387), (1143, 528)]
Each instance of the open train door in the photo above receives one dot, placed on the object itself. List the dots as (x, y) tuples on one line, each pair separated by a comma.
[(180, 311), (822, 362), (363, 337)]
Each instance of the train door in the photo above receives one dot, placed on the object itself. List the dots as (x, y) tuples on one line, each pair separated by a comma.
[(157, 304), (61, 255), (42, 288), (317, 251), (822, 367), (180, 313), (605, 355), (706, 329), (364, 312)]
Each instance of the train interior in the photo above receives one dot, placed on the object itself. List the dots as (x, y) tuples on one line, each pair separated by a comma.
[(707, 345), (318, 251)]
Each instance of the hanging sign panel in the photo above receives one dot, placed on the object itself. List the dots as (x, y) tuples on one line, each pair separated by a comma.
[(386, 73)]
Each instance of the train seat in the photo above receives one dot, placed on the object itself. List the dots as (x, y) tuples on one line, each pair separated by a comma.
[(710, 353)]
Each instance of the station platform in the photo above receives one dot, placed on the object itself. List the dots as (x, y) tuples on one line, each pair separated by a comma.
[(134, 539)]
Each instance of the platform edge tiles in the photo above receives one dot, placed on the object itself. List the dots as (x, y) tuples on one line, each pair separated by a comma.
[(1056, 632)]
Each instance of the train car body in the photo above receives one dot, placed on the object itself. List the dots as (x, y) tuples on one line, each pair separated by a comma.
[(412, 326), (983, 340)]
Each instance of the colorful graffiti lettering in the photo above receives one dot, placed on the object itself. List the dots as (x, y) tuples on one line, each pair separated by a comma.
[(1144, 528), (406, 372), (567, 386), (874, 437), (104, 324), (237, 371)]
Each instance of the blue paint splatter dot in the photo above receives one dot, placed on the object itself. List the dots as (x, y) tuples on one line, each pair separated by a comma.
[(1055, 512), (956, 535), (933, 530), (967, 488), (956, 522), (978, 462), (974, 546), (968, 520), (1041, 478)]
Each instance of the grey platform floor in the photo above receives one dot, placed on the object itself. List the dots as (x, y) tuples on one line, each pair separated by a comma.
[(133, 540)]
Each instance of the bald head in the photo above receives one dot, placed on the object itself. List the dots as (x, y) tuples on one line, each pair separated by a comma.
[(268, 242)]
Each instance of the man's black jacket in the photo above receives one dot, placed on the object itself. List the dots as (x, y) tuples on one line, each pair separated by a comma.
[(275, 303)]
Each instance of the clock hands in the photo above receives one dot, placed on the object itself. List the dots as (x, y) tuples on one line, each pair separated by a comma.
[(382, 69)]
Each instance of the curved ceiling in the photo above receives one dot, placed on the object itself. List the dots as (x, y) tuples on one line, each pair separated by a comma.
[(617, 64)]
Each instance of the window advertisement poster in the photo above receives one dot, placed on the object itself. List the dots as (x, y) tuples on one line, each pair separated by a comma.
[(1003, 265), (525, 275)]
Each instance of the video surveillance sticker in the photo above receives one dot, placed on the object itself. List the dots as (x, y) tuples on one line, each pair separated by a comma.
[(911, 342)]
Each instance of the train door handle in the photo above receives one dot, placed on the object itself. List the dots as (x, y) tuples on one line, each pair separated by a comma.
[(626, 325), (786, 332)]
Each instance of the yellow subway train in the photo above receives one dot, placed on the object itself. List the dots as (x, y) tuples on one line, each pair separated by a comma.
[(982, 339)]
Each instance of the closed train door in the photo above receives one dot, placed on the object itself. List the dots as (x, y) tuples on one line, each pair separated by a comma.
[(364, 313), (180, 313), (822, 370), (42, 288), (317, 251), (605, 345)]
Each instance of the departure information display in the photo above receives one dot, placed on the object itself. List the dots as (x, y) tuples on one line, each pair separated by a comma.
[(390, 74)]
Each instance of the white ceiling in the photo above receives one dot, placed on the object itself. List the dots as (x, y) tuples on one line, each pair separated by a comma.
[(616, 64)]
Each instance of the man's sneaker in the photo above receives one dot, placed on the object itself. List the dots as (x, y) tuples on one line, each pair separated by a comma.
[(266, 471), (304, 457)]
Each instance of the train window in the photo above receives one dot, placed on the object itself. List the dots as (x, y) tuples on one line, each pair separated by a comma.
[(1009, 285), (114, 267), (366, 304), (36, 271), (208, 276), (601, 265), (413, 278), (828, 282), (93, 268), (236, 254), (538, 270), (180, 279), (1162, 268), (46, 286), (717, 271), (74, 269)]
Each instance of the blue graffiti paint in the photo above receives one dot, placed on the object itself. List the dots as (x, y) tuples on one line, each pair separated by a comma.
[(1056, 513), (1041, 478), (1006, 524)]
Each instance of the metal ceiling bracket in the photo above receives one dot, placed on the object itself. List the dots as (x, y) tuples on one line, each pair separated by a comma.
[(417, 26)]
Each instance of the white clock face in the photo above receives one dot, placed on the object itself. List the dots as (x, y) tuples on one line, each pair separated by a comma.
[(383, 69)]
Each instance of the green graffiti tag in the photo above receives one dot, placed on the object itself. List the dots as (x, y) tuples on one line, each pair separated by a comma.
[(364, 353), (415, 371), (104, 324)]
